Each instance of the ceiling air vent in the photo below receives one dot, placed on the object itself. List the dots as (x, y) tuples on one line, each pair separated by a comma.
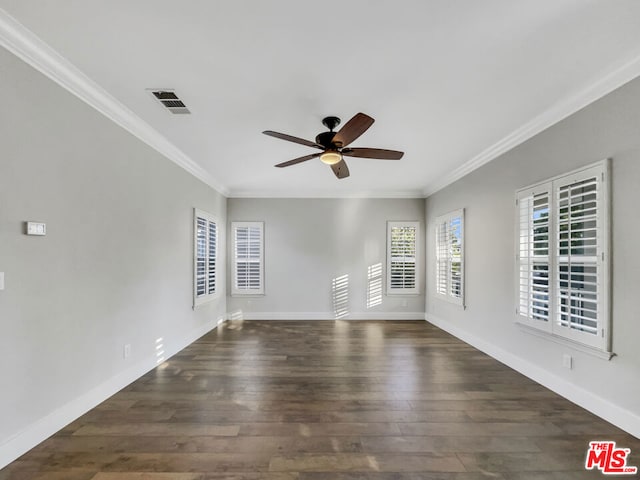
[(170, 100)]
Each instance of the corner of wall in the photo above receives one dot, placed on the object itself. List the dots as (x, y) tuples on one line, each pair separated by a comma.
[(43, 428), (599, 406)]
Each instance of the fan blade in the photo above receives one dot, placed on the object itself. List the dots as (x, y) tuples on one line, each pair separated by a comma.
[(353, 129), (289, 138), (340, 169), (377, 153), (298, 160)]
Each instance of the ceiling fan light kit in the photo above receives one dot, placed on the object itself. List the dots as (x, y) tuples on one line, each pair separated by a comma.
[(330, 157), (333, 144)]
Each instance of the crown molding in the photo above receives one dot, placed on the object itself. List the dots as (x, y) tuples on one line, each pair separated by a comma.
[(614, 79), (324, 194), (24, 44)]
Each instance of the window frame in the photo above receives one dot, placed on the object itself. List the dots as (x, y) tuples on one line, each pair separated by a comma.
[(235, 291), (600, 342), (208, 295), (403, 291), (447, 219)]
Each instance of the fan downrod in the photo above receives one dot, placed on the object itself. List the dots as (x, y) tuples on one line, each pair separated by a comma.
[(331, 122)]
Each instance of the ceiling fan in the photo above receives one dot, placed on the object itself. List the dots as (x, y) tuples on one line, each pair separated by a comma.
[(334, 145)]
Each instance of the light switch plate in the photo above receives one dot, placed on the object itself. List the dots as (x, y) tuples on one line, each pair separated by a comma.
[(1, 280), (35, 228)]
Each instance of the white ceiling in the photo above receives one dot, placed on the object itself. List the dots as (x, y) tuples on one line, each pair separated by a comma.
[(451, 83)]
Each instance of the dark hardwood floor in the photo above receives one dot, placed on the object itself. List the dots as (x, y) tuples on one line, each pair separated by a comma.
[(341, 400)]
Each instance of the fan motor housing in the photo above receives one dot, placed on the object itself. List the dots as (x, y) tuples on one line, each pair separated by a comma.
[(325, 138)]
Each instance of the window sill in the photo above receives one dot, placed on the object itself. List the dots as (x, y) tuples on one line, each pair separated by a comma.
[(402, 294), (204, 300), (242, 295), (566, 342), (453, 301)]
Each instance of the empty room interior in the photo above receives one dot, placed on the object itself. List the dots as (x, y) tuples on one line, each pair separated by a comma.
[(292, 241)]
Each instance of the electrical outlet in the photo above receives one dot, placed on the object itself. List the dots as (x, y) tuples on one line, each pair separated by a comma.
[(567, 361), (36, 228), (127, 351)]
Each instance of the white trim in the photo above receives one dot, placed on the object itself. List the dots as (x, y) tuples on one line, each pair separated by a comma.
[(615, 414), (24, 44), (240, 315), (567, 342), (561, 110), (46, 426)]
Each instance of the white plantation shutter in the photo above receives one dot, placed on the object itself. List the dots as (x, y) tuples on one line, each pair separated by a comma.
[(579, 253), (205, 256), (402, 240), (450, 257), (455, 256), (442, 258), (201, 253), (562, 256), (533, 255), (212, 257), (248, 268)]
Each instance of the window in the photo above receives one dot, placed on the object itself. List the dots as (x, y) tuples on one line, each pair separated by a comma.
[(562, 257), (402, 240), (450, 257), (248, 261), (204, 257)]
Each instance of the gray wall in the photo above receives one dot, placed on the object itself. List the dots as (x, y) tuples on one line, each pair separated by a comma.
[(115, 266), (606, 129), (319, 240)]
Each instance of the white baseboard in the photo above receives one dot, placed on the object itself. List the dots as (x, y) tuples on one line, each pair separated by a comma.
[(240, 315), (620, 417), (42, 429)]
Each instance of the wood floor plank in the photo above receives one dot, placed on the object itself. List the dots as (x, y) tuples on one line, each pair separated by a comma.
[(401, 476), (202, 444), (480, 429), (449, 444), (157, 429), (195, 476), (367, 463), (319, 429), (343, 400)]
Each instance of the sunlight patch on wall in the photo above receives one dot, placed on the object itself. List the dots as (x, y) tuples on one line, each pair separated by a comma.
[(374, 285), (340, 294), (159, 350), (236, 321)]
